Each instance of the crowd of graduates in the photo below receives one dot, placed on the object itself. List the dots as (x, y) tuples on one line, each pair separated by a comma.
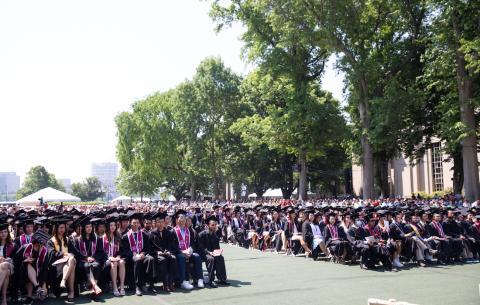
[(49, 252), (55, 251)]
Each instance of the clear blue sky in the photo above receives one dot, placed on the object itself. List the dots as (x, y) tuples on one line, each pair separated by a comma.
[(68, 67)]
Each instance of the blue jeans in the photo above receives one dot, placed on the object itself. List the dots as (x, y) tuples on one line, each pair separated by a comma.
[(198, 274)]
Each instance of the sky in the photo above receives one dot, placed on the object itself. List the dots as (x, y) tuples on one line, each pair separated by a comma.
[(67, 68)]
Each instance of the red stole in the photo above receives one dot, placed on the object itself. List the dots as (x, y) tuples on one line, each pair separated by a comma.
[(41, 255), (83, 248), (333, 231), (135, 245), (477, 226), (373, 232), (439, 228), (9, 250), (107, 246), (183, 244), (23, 240)]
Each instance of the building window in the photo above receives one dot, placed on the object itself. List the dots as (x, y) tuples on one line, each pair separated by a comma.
[(437, 167)]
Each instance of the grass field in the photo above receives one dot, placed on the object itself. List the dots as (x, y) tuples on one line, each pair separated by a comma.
[(267, 278)]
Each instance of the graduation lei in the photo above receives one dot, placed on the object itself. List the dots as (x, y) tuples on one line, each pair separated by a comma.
[(41, 256), (135, 245), (184, 244)]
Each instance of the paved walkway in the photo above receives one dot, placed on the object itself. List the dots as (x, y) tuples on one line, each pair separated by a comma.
[(267, 278)]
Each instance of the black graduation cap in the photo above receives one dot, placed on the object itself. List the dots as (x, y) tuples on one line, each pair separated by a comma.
[(207, 220), (60, 220), (160, 215), (42, 221), (97, 221), (40, 237), (87, 220), (132, 214), (180, 212)]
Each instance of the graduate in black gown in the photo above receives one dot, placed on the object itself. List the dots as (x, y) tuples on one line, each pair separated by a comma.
[(336, 240), (210, 246), (135, 250), (32, 262), (7, 253), (88, 251), (375, 249), (161, 241)]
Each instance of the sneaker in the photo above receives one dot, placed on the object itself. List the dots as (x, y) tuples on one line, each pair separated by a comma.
[(122, 292), (138, 291), (200, 284), (186, 285), (396, 263), (116, 293)]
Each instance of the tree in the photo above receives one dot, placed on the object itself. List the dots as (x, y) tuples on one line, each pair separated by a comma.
[(38, 178), (456, 28), (289, 127), (88, 190), (278, 38), (176, 139)]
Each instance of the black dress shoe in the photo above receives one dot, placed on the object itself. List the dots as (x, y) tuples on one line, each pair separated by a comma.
[(224, 283), (212, 285)]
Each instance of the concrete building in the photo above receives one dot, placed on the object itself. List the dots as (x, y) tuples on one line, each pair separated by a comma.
[(429, 174), (107, 173), (67, 184), (9, 184)]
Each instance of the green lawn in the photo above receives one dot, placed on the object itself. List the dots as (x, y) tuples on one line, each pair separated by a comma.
[(267, 278)]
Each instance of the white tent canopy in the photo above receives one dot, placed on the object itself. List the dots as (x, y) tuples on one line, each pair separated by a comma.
[(48, 194), (121, 199), (273, 193)]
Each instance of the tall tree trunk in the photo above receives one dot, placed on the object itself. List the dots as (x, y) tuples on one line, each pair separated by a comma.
[(381, 166), (287, 176), (302, 183), (367, 151), (467, 117), (457, 172), (192, 191)]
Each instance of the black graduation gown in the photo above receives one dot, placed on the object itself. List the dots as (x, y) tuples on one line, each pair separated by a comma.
[(43, 266), (454, 230), (376, 252), (442, 246), (209, 242), (339, 245), (165, 263), (84, 267), (143, 270)]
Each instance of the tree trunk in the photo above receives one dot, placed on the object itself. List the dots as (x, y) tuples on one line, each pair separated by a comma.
[(302, 183), (287, 176), (467, 117), (192, 191), (367, 152), (457, 172), (381, 166)]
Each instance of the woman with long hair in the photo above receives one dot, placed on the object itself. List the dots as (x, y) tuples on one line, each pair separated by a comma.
[(7, 251), (114, 263), (88, 251), (65, 262)]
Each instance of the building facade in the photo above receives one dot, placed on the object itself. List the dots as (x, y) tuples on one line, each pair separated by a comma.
[(9, 184), (107, 174), (429, 174)]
